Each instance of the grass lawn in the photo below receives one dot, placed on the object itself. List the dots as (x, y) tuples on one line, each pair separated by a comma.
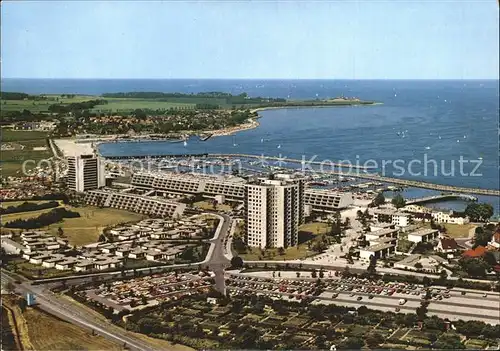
[(456, 230), (307, 233), (292, 253), (207, 205), (315, 227), (476, 344), (23, 215), (42, 105), (87, 228)]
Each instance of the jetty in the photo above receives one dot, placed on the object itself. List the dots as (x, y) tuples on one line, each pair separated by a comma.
[(436, 198)]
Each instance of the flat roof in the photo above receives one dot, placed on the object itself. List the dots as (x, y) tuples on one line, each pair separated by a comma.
[(381, 232), (423, 232), (390, 212), (378, 247)]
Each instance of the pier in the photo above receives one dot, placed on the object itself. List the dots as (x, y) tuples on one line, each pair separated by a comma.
[(437, 198)]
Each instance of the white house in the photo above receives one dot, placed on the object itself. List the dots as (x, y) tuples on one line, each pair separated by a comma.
[(400, 219), (495, 240), (379, 251), (423, 235)]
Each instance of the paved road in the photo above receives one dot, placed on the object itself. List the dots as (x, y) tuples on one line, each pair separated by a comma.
[(72, 313), (75, 314)]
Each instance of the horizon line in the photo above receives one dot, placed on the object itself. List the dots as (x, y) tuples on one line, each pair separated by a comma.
[(331, 79)]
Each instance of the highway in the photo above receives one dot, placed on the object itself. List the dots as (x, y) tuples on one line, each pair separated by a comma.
[(72, 313)]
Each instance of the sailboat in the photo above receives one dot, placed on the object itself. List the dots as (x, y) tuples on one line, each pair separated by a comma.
[(261, 140), (279, 146), (185, 143), (234, 143)]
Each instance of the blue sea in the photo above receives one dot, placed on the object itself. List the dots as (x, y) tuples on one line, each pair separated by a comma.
[(438, 123)]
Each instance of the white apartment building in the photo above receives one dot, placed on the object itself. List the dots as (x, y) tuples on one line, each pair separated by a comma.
[(327, 201), (274, 209), (233, 188), (135, 203), (400, 219), (85, 172)]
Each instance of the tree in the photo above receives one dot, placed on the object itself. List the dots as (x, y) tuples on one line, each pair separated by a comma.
[(314, 274), (374, 339), (378, 200), (482, 237), (422, 310), (418, 265), (281, 251), (449, 341), (398, 201), (479, 212), (351, 343), (60, 232), (236, 262)]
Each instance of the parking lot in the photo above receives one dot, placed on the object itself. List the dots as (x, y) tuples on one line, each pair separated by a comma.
[(397, 297)]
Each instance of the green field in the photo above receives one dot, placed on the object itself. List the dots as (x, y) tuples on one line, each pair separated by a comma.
[(8, 135), (119, 104), (42, 105)]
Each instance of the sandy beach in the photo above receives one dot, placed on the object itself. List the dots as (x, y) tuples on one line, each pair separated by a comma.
[(69, 147)]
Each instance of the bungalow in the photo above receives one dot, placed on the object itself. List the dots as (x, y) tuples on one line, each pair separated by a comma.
[(137, 253), (51, 262), (172, 253), (110, 263), (66, 264), (123, 251), (129, 235), (108, 248), (423, 235), (39, 258), (153, 255), (83, 266), (27, 255)]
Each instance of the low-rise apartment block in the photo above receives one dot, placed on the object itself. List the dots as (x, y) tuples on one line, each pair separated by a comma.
[(233, 188), (401, 219), (152, 206)]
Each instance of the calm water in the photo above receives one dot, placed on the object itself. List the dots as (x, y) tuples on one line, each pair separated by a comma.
[(440, 120)]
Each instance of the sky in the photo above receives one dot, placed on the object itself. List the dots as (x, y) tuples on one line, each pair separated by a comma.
[(346, 39)]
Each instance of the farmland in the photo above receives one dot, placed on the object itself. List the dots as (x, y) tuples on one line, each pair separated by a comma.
[(128, 105), (24, 143)]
